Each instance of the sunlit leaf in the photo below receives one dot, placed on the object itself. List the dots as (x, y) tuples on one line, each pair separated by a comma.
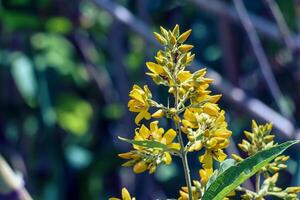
[(237, 174), (23, 74)]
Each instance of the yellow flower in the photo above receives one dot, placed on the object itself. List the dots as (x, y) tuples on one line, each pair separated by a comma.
[(125, 196), (207, 159), (142, 158), (139, 102), (206, 128), (158, 73), (196, 191), (204, 176)]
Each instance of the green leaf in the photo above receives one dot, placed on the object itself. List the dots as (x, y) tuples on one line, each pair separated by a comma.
[(59, 25), (223, 167), (147, 144), (237, 174), (24, 77)]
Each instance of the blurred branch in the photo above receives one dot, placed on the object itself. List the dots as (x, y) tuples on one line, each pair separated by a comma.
[(235, 95), (11, 182), (265, 27), (282, 25), (100, 76), (260, 54)]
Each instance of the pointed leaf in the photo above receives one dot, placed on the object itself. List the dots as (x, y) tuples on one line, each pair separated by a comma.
[(147, 143), (237, 174)]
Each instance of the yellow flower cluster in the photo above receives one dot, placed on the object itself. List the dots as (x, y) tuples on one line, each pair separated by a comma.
[(206, 128), (142, 158), (259, 139), (199, 124), (139, 102), (195, 112), (197, 191), (125, 196)]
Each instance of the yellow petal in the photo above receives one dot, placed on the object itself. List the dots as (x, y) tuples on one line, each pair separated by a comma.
[(215, 98), (144, 114), (144, 132), (153, 126), (167, 158), (158, 114), (169, 136), (211, 109), (160, 38), (113, 198), (155, 68), (207, 162), (184, 75), (125, 194), (185, 48), (126, 155), (204, 176), (176, 30), (175, 146), (219, 155)]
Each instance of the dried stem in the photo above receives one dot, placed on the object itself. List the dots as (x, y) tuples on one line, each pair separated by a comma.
[(11, 181)]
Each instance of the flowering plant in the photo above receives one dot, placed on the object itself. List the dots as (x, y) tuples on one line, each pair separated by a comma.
[(199, 124)]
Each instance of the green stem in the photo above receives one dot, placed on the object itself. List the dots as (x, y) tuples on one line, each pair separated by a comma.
[(183, 153), (185, 164)]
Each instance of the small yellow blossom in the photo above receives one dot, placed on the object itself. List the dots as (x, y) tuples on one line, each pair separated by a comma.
[(139, 102), (206, 127), (142, 158), (125, 196), (197, 191)]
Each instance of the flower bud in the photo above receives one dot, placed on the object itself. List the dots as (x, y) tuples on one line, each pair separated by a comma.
[(158, 114), (184, 36), (185, 48), (140, 167), (160, 38)]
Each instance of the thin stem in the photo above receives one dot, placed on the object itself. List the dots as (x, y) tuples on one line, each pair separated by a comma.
[(183, 153), (185, 162), (257, 183)]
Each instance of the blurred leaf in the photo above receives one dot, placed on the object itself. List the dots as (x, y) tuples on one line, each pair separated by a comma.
[(12, 132), (199, 31), (51, 191), (78, 157), (19, 2), (23, 74), (30, 125), (113, 111), (165, 173), (74, 114), (17, 20), (289, 12), (59, 25), (212, 53)]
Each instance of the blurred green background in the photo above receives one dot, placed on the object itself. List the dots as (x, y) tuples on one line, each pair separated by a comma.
[(66, 67)]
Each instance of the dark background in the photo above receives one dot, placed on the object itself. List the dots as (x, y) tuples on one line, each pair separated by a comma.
[(66, 67)]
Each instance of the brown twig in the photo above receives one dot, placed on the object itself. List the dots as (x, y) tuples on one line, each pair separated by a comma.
[(100, 76), (260, 55)]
